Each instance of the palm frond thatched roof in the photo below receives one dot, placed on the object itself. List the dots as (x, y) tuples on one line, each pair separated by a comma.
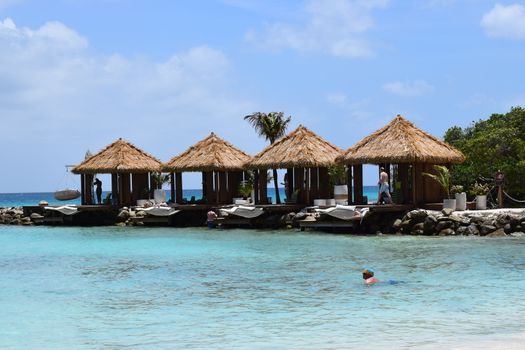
[(401, 142), (210, 154), (119, 157), (300, 148)]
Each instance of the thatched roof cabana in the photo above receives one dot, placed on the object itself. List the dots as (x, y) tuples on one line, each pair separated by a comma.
[(300, 148), (306, 157), (401, 142), (412, 150), (210, 154), (129, 167), (119, 157), (221, 165)]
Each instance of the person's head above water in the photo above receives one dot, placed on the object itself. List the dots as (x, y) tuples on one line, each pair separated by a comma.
[(367, 273)]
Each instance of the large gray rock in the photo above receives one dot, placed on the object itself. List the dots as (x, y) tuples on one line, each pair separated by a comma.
[(429, 225), (397, 224), (123, 215), (417, 215), (441, 225), (498, 233), (447, 211), (447, 232), (472, 229), (486, 229), (461, 230)]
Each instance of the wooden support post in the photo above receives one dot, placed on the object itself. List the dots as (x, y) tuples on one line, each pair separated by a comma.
[(210, 194), (82, 189), (263, 186), (115, 196), (404, 180), (125, 190), (256, 186), (307, 186), (223, 188), (139, 186), (172, 187), (358, 183), (204, 186), (324, 183), (289, 177), (314, 184), (178, 187), (418, 184), (88, 183), (216, 187), (349, 183), (234, 180), (299, 184)]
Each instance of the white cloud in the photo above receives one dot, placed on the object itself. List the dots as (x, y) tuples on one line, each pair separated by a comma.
[(505, 22), (408, 88), (56, 90), (334, 27)]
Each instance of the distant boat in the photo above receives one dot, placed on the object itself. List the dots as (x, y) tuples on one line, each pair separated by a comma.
[(67, 194)]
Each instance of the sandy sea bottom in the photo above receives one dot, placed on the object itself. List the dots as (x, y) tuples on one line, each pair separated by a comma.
[(162, 288)]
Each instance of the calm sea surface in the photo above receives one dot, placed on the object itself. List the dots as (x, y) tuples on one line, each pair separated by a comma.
[(167, 288), (21, 199)]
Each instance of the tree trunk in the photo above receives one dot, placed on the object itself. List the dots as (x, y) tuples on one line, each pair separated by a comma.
[(275, 184)]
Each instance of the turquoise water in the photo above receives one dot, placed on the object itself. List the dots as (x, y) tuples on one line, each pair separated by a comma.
[(21, 199), (165, 288)]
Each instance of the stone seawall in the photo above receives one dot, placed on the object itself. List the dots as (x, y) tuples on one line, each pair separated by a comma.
[(492, 223)]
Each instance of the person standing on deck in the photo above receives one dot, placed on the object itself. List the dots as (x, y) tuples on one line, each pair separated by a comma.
[(98, 190), (384, 188)]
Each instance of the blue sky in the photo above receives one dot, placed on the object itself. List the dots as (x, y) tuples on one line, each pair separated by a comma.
[(78, 74)]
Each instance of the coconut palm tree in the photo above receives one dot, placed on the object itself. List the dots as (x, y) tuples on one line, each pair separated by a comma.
[(271, 126)]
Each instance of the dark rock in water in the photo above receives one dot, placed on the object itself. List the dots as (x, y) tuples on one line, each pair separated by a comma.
[(406, 225), (36, 216), (123, 215), (429, 225), (461, 230), (300, 216), (498, 233), (417, 215), (507, 228), (447, 232), (477, 220), (432, 218), (472, 229), (441, 225), (397, 224), (486, 229), (447, 211)]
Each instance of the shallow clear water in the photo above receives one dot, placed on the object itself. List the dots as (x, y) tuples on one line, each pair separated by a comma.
[(164, 288)]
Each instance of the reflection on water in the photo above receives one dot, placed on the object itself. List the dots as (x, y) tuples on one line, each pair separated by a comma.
[(200, 289)]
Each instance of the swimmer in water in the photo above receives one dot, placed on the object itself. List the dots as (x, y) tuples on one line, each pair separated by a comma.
[(368, 277)]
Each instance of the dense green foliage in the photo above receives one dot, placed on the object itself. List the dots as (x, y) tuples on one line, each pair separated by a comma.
[(497, 143), (442, 177)]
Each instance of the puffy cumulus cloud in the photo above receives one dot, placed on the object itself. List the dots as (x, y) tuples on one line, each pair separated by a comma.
[(505, 22), (408, 88), (58, 97), (334, 27)]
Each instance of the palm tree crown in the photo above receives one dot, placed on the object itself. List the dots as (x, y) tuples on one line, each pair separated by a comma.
[(271, 126)]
